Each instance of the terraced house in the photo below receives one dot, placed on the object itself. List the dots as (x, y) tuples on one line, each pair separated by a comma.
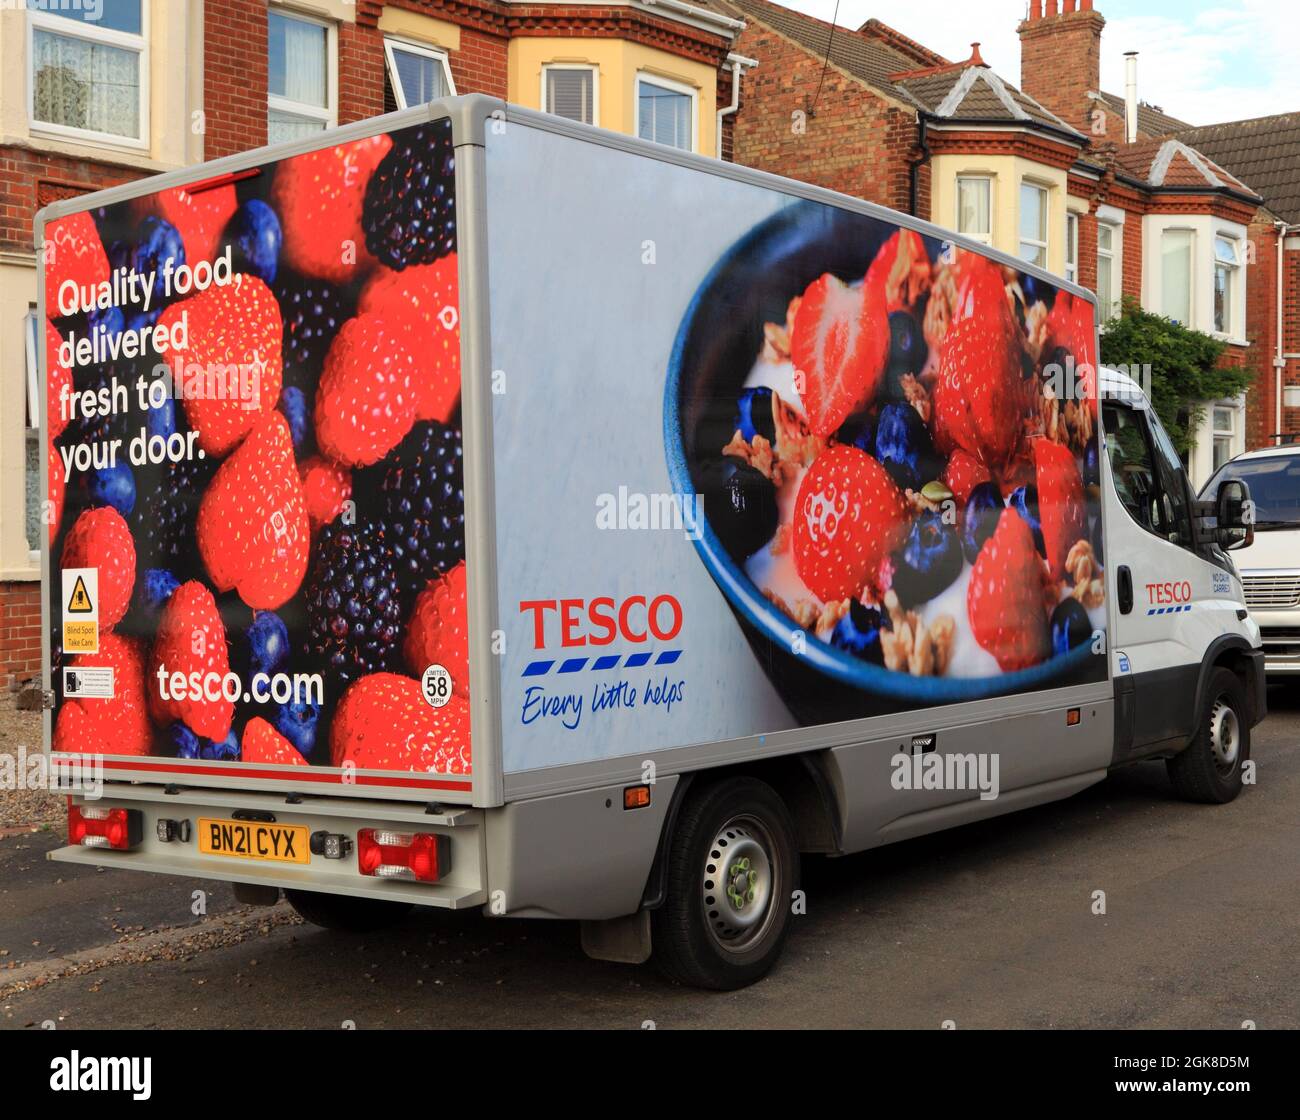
[(1098, 186), (98, 92)]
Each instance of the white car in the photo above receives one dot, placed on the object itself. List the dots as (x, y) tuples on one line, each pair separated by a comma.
[(1270, 564)]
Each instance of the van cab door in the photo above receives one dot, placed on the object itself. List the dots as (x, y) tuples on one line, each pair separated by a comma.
[(1169, 594)]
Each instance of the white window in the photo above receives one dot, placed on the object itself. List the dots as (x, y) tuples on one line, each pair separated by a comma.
[(571, 91), (301, 77), (1072, 246), (418, 74), (1109, 283), (1176, 275), (1223, 422), (34, 332), (1226, 273), (975, 207), (89, 71), (665, 112), (1033, 224)]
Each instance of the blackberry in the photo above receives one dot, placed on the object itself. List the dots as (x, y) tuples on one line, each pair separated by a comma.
[(313, 311), (410, 208), (421, 505), (166, 509), (354, 620)]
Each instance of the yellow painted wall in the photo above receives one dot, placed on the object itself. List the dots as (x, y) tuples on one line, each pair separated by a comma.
[(421, 28), (1007, 172), (618, 63)]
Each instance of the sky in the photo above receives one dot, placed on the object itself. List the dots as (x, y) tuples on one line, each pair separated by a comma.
[(1202, 61)]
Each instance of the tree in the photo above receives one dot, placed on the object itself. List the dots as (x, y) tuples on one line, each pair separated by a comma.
[(1182, 363)]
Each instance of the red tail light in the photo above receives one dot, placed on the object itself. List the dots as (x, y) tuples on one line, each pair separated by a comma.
[(402, 855), (93, 827)]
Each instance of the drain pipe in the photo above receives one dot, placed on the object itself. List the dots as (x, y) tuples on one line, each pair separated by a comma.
[(738, 63), (1279, 362)]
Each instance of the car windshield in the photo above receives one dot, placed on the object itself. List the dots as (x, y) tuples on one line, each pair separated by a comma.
[(1274, 483)]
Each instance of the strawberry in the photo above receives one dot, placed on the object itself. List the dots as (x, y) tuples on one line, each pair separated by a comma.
[(116, 726), (235, 334), (1071, 332), (73, 252), (100, 538), (1008, 595), (365, 402), (438, 632), (200, 218), (427, 294), (981, 393), (58, 489), (901, 271), (252, 529), (962, 474), (838, 343), (58, 377), (263, 743), (1060, 502), (319, 197), (384, 723), (848, 517), (191, 640), (326, 486)]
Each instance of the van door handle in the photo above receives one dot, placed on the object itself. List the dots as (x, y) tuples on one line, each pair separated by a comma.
[(1125, 589)]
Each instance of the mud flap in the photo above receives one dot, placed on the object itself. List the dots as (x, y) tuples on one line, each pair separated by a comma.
[(621, 940)]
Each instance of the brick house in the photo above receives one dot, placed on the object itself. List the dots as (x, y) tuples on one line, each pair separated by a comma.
[(1044, 171), (98, 92)]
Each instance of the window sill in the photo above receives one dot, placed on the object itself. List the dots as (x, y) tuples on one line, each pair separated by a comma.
[(21, 575), (1231, 340)]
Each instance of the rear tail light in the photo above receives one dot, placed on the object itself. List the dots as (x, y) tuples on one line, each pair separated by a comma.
[(402, 855), (94, 827)]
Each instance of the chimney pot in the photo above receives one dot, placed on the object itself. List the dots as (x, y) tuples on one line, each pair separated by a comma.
[(975, 59)]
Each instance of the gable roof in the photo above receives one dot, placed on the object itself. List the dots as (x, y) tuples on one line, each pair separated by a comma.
[(1152, 120), (1168, 162), (1264, 151)]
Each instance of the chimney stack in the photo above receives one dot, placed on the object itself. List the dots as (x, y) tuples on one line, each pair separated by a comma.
[(1130, 97), (1060, 57)]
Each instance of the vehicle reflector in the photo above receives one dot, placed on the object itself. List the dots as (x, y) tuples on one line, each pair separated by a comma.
[(636, 797), (94, 827), (387, 854), (1072, 717)]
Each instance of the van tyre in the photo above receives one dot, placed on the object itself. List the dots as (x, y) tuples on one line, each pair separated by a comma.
[(347, 914), (732, 866), (1209, 768)]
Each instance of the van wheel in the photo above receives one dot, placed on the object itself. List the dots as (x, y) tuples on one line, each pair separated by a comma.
[(347, 914), (732, 866), (1209, 768)]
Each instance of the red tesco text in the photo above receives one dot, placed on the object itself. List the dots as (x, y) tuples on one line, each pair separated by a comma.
[(600, 621), (1176, 591)]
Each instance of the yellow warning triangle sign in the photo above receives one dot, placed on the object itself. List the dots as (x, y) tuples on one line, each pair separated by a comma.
[(80, 601)]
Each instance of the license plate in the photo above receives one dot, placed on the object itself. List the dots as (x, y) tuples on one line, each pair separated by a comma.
[(280, 843)]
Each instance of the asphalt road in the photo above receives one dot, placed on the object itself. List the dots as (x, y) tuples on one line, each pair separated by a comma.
[(987, 926)]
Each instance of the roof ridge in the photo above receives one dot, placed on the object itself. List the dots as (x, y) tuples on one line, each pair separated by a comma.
[(1292, 114), (878, 29)]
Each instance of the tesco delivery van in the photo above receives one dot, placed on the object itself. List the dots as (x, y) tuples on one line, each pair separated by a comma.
[(471, 508)]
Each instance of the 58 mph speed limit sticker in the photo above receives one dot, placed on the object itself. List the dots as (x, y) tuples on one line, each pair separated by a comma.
[(436, 685)]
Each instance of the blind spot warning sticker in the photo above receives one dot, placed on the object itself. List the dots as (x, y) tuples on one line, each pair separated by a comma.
[(80, 610), (88, 682), (435, 684)]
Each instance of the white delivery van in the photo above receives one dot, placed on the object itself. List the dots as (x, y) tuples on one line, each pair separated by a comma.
[(469, 508), (1270, 566)]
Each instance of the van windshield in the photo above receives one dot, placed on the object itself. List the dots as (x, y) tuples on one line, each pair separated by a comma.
[(1274, 488)]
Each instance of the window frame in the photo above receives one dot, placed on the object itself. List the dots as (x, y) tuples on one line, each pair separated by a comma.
[(1190, 232), (54, 24), (977, 177), (428, 50), (328, 116), (673, 86), (1169, 481), (1072, 226), (1045, 222), (1217, 433), (592, 68), (1235, 295)]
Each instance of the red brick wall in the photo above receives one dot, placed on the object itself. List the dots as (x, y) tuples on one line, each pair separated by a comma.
[(1132, 263), (480, 64), (1060, 58), (20, 635), (1261, 330), (30, 180), (234, 76)]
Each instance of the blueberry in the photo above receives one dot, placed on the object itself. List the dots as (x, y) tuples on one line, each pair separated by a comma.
[(1071, 626), (907, 349), (156, 587), (1036, 291), (858, 632), (1091, 465), (754, 415), (293, 403), (929, 560), (182, 741), (268, 642), (1024, 500), (157, 243), (161, 420), (112, 486), (859, 431), (1094, 535), (108, 321), (740, 504), (254, 233), (903, 447), (227, 750), (296, 721), (983, 508)]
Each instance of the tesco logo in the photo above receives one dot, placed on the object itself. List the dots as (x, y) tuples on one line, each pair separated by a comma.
[(1177, 591), (600, 621)]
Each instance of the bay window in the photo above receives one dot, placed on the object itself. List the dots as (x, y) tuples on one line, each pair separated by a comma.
[(975, 207), (1176, 254), (1226, 273), (1072, 246), (1109, 285), (665, 112), (1033, 224), (570, 91)]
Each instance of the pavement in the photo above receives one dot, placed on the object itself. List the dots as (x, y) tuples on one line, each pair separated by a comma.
[(990, 925)]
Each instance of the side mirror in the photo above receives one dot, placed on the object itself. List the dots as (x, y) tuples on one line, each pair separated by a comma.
[(1234, 515)]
